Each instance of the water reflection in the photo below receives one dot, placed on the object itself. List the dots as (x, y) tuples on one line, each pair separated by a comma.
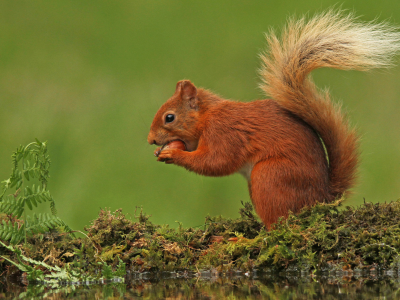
[(264, 287)]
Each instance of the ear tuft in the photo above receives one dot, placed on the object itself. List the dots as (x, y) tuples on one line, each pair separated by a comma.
[(188, 92)]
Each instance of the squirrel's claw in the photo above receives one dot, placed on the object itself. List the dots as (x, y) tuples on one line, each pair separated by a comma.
[(157, 151)]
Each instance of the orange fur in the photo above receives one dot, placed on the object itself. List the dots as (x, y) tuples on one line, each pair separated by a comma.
[(276, 144)]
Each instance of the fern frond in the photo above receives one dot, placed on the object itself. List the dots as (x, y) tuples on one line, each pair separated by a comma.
[(31, 161), (41, 223), (53, 207), (12, 206), (33, 196), (40, 263), (10, 232), (22, 267)]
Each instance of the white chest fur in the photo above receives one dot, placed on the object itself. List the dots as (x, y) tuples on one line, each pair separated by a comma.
[(246, 170)]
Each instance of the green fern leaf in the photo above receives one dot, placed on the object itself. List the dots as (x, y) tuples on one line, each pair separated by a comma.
[(11, 207), (53, 208), (11, 232), (28, 203)]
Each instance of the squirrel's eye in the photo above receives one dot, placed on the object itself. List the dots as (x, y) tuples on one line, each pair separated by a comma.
[(169, 118)]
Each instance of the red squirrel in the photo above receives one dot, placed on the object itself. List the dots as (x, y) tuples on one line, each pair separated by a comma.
[(295, 149)]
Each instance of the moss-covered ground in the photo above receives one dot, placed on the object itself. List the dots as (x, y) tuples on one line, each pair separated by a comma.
[(325, 237)]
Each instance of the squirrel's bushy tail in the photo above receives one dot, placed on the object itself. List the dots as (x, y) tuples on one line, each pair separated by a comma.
[(331, 39)]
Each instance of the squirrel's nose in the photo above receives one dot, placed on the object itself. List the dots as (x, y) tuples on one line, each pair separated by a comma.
[(151, 140)]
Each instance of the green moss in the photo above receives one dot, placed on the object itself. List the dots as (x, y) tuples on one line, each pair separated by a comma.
[(319, 238)]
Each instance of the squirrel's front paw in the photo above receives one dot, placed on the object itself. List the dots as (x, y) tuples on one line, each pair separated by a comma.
[(168, 155), (157, 151)]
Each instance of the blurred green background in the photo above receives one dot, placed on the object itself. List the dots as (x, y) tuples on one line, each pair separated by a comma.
[(88, 76)]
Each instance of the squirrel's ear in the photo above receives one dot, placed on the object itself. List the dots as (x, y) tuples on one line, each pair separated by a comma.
[(188, 92)]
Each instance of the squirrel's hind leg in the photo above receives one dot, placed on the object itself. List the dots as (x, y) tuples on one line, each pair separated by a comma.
[(277, 186)]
